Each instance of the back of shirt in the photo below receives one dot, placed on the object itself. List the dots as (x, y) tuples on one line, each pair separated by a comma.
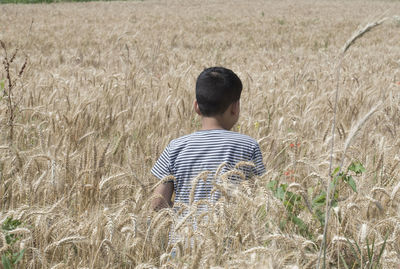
[(188, 156)]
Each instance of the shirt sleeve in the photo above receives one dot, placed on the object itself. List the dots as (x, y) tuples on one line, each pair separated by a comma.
[(257, 159), (162, 168)]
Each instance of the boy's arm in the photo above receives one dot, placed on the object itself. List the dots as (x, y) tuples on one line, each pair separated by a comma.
[(162, 196)]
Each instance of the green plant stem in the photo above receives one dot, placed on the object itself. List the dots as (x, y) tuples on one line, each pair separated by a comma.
[(328, 192), (347, 45)]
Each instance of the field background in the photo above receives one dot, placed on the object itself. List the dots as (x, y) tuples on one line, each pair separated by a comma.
[(108, 84)]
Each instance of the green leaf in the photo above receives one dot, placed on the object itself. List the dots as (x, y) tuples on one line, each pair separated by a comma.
[(10, 224), (291, 197), (280, 193), (382, 248), (319, 200), (283, 186), (352, 183), (360, 168), (358, 247), (334, 202), (19, 256), (353, 250), (272, 185), (335, 171), (343, 261), (372, 251), (6, 262), (1, 85), (282, 224), (369, 251), (303, 228), (320, 215), (352, 167), (299, 222), (356, 167)]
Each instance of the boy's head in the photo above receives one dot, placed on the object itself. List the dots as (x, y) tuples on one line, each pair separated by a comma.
[(216, 89)]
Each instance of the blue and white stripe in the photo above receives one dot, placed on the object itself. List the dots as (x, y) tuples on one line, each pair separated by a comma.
[(186, 157)]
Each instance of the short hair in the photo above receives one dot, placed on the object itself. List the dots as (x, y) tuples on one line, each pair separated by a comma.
[(216, 89)]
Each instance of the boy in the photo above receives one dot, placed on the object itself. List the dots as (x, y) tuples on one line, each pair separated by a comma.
[(218, 103)]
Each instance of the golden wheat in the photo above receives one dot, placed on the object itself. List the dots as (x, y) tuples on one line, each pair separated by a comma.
[(102, 95)]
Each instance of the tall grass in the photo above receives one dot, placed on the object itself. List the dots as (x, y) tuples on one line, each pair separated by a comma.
[(102, 95)]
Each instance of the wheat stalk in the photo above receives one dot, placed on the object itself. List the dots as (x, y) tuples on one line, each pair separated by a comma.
[(347, 45), (110, 178)]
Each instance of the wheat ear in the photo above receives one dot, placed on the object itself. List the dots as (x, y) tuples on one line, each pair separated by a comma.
[(164, 180), (106, 180), (203, 175), (357, 127), (358, 34), (363, 233), (66, 240)]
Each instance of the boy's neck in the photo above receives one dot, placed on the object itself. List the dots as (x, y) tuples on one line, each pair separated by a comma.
[(212, 123)]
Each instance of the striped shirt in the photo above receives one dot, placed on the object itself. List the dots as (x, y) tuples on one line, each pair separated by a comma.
[(188, 156)]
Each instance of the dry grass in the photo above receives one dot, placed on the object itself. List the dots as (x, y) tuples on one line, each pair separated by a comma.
[(107, 85)]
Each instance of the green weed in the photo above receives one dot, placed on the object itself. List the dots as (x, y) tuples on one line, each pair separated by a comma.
[(295, 204), (11, 256), (371, 259)]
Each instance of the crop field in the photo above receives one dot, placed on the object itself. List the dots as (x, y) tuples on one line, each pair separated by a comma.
[(91, 93)]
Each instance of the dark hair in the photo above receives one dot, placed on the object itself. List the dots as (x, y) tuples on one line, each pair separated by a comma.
[(216, 89)]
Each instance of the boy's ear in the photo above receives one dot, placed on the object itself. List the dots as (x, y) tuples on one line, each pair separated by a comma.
[(235, 107), (196, 107)]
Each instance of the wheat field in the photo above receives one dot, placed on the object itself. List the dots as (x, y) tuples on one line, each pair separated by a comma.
[(99, 89)]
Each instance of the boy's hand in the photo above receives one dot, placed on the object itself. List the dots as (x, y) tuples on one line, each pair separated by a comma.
[(163, 195)]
